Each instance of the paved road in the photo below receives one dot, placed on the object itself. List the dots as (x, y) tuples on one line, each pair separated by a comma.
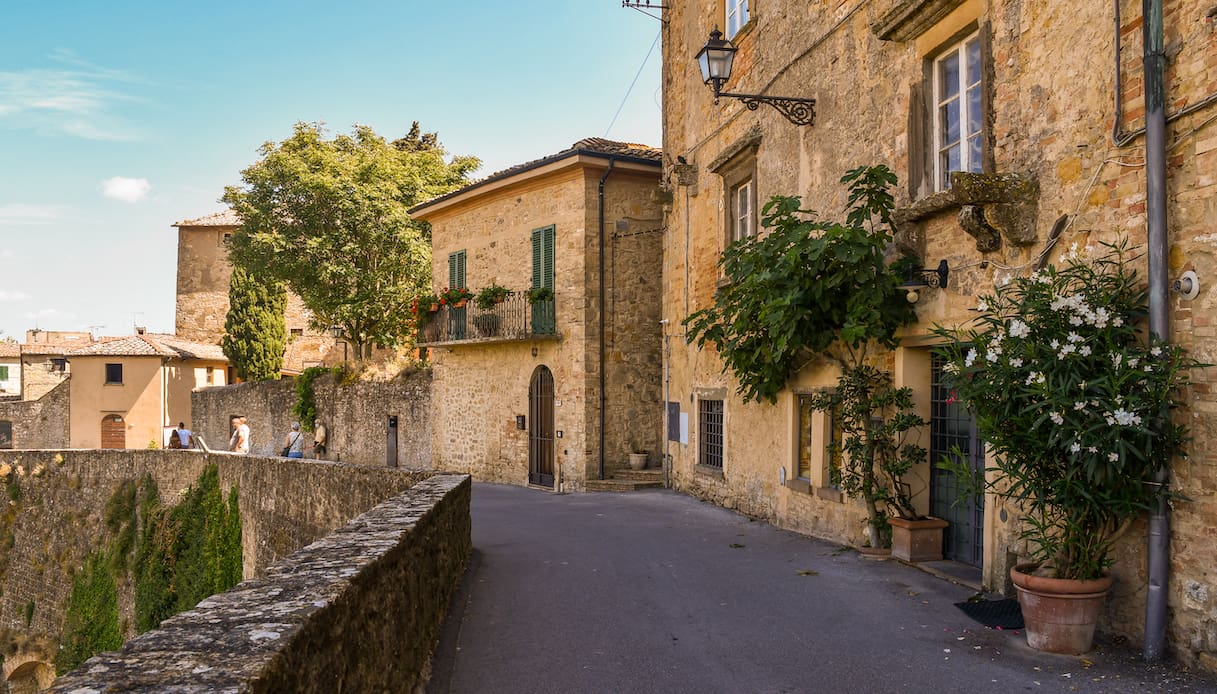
[(657, 592)]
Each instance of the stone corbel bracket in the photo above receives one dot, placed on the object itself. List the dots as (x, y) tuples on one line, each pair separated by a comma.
[(991, 207)]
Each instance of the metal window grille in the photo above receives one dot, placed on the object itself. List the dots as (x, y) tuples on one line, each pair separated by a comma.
[(710, 432)]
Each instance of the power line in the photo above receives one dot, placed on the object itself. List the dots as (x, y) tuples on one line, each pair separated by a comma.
[(631, 88)]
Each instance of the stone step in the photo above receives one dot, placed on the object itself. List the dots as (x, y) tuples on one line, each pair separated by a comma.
[(620, 485), (646, 474)]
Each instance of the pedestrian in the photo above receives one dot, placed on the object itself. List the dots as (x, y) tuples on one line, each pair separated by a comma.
[(184, 435), (293, 443), (319, 439), (175, 439), (239, 443)]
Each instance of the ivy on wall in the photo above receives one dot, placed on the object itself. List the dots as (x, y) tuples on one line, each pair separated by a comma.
[(305, 409), (174, 556)]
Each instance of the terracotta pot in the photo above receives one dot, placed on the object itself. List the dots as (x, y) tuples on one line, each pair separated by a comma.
[(875, 552), (638, 461), (1060, 613), (917, 540)]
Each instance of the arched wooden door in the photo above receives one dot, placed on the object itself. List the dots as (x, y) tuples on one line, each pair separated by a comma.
[(113, 432), (541, 427)]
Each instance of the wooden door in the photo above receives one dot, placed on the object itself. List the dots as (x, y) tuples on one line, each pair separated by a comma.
[(541, 428), (113, 432)]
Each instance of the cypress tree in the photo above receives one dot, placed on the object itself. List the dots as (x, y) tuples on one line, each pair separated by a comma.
[(255, 331)]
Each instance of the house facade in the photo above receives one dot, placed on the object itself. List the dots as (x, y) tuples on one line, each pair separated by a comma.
[(560, 391), (10, 369), (130, 392), (203, 271), (1019, 102)]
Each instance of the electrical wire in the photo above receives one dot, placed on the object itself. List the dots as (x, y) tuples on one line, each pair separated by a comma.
[(635, 81)]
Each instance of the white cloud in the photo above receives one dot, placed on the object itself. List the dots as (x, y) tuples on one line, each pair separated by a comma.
[(73, 98), (17, 213), (6, 296), (125, 189)]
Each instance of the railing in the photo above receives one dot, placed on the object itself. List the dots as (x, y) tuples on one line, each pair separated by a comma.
[(512, 319)]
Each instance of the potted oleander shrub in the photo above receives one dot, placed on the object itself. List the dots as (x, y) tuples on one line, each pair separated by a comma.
[(538, 294), (1075, 404), (489, 297)]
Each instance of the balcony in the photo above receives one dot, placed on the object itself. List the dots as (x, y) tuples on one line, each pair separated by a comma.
[(512, 320)]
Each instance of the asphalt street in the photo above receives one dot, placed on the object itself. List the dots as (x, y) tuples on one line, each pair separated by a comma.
[(658, 592)]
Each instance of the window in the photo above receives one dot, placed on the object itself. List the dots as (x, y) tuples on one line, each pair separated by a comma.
[(456, 270), (58, 364), (114, 374), (297, 332), (3, 373), (743, 210), (736, 16), (818, 444), (543, 321), (211, 375), (710, 433), (958, 114)]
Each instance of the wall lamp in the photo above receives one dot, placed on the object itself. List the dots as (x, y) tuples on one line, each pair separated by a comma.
[(920, 278), (715, 59)]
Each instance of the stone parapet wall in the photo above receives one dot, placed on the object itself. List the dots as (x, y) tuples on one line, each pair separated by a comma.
[(41, 423), (57, 519), (359, 611), (357, 416)]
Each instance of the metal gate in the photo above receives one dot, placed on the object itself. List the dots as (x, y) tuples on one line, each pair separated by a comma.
[(952, 432), (541, 428)]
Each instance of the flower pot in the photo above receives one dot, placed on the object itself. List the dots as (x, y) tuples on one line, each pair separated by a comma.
[(876, 553), (917, 540), (1060, 613), (638, 461)]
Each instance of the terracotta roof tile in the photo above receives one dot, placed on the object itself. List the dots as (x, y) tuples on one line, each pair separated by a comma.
[(10, 349), (227, 218), (150, 346), (588, 145)]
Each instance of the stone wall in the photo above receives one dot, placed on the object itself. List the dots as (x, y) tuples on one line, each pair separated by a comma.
[(38, 375), (357, 611), (41, 423), (356, 415), (56, 518), (1047, 96)]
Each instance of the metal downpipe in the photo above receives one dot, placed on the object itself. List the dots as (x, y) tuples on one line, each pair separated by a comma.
[(1154, 59), (603, 305)]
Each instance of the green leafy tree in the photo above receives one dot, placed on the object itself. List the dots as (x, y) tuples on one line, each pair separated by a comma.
[(255, 332), (330, 217), (809, 287)]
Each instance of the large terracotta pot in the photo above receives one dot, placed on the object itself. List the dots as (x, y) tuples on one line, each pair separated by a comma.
[(1060, 613), (917, 540), (638, 461)]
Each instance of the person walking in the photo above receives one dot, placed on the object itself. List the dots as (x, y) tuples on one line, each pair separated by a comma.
[(319, 439), (293, 443), (239, 443), (184, 435)]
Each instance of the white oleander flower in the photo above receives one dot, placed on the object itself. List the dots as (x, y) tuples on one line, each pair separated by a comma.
[(1056, 418)]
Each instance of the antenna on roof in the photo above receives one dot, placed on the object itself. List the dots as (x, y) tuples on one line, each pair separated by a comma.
[(135, 316)]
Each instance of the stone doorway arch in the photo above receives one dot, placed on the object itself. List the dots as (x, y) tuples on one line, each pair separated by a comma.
[(27, 675)]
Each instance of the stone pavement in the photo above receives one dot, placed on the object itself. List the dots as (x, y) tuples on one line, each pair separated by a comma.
[(657, 592)]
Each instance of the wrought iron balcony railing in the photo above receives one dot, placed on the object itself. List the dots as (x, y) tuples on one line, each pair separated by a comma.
[(512, 319)]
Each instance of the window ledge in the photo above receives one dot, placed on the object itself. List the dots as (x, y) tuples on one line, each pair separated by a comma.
[(991, 207), (912, 18), (708, 471), (830, 494), (799, 485)]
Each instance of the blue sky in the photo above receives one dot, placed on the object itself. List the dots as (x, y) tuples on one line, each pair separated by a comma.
[(118, 119)]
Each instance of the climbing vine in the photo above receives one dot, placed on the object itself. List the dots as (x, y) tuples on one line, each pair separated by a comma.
[(90, 622), (305, 409)]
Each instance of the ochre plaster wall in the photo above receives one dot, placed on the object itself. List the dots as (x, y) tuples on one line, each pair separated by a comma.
[(139, 399)]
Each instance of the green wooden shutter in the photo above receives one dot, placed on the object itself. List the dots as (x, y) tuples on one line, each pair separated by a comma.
[(536, 258), (456, 269), (543, 257)]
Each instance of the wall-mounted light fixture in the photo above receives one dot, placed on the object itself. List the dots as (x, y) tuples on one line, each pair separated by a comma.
[(1188, 285), (715, 59), (919, 278)]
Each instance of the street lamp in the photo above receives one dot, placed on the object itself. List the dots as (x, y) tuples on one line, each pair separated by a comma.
[(715, 60), (336, 331), (920, 278)]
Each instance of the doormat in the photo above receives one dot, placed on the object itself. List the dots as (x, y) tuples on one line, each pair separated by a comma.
[(995, 614)]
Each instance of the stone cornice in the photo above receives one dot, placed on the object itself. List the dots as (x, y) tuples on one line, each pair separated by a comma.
[(912, 18)]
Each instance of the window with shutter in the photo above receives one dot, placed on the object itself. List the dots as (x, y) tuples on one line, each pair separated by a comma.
[(456, 280), (543, 321)]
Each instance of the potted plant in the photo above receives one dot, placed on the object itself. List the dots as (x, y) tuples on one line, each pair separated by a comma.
[(491, 296), (422, 308), (456, 297), (539, 294), (1075, 405)]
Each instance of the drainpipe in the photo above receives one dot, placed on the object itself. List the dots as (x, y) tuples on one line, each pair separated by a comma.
[(1154, 60), (603, 304)]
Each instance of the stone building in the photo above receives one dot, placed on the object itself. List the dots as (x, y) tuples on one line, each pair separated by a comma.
[(10, 369), (44, 363), (557, 392), (203, 270), (1023, 98), (129, 392)]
